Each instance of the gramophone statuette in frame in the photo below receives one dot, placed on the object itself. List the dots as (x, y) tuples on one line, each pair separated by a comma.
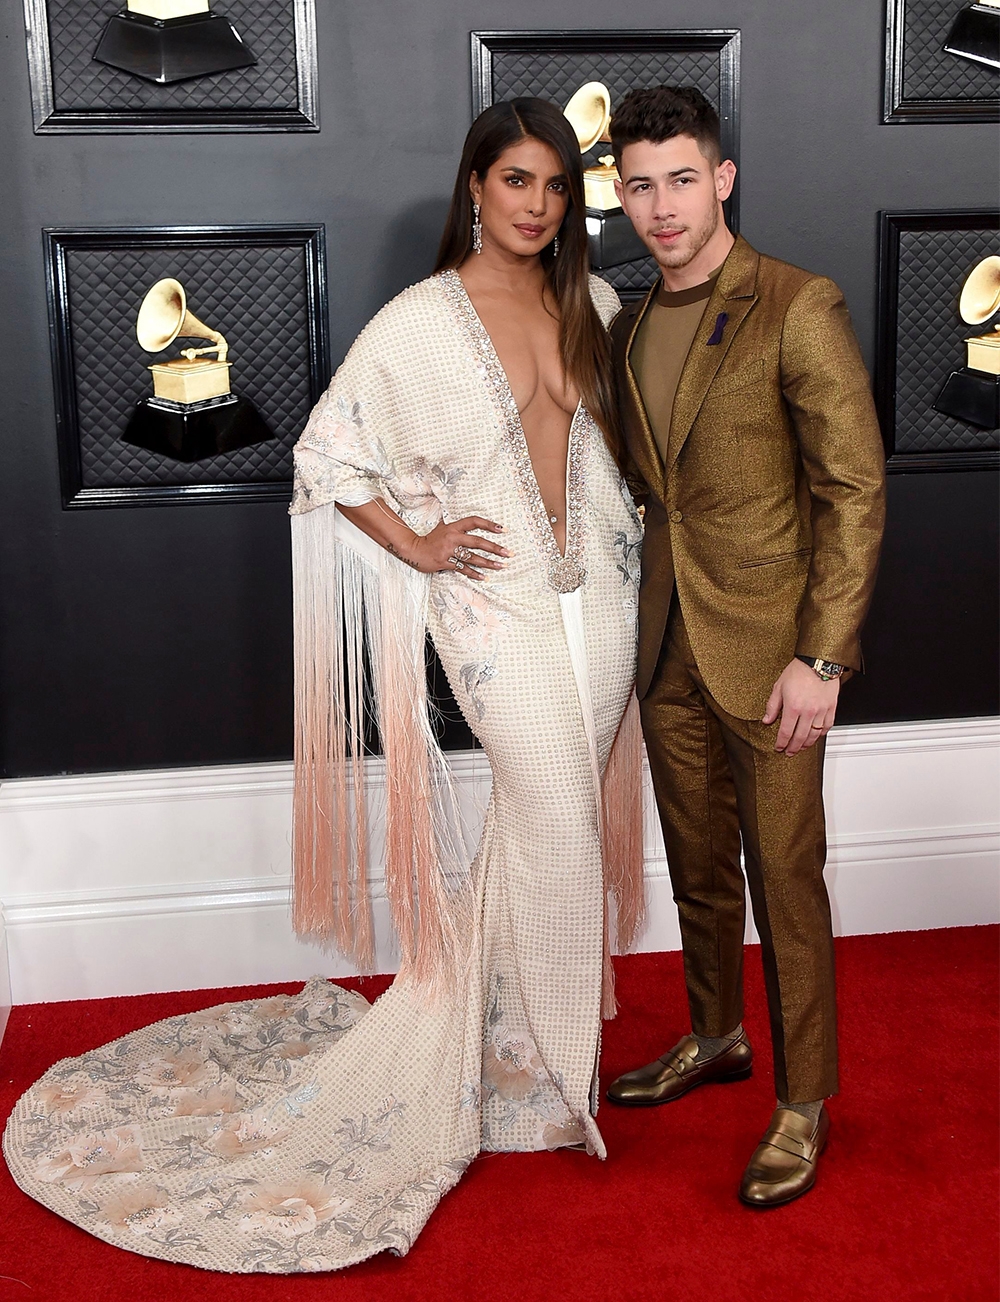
[(972, 394), (171, 40), (612, 237), (193, 413), (975, 33)]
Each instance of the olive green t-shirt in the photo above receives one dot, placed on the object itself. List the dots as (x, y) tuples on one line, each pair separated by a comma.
[(660, 349)]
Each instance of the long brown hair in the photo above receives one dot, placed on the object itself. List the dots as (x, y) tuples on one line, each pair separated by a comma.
[(583, 341)]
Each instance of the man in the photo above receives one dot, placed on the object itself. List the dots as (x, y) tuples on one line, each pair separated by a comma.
[(751, 436)]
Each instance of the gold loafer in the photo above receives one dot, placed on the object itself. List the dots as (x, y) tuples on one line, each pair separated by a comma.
[(783, 1166), (677, 1073)]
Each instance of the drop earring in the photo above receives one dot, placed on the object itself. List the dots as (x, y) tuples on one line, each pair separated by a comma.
[(477, 230), (555, 247)]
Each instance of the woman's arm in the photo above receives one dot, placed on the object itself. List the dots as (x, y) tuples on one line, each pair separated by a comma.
[(429, 553)]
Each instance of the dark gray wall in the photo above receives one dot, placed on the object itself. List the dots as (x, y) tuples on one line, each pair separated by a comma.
[(144, 637)]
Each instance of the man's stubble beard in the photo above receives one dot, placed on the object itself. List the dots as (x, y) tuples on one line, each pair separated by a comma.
[(675, 258)]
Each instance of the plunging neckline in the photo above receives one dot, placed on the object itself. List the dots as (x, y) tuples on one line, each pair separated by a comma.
[(566, 570)]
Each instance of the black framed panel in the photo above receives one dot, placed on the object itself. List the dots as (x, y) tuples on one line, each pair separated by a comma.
[(552, 65), (924, 258), (71, 93), (263, 287), (923, 81)]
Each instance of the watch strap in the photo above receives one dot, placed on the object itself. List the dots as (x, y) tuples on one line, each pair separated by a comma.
[(827, 669)]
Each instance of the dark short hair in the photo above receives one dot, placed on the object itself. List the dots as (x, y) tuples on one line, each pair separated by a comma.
[(662, 112)]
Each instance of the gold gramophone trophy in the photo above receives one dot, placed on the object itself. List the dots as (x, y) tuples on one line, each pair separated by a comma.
[(975, 33), (171, 40), (193, 413), (612, 237), (972, 393)]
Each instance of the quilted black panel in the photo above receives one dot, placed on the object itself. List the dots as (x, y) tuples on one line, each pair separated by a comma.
[(266, 26), (256, 296), (928, 71), (557, 76), (930, 333)]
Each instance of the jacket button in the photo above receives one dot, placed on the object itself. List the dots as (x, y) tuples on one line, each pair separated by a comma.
[(677, 516)]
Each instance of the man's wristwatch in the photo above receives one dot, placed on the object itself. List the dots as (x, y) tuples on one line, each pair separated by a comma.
[(826, 669)]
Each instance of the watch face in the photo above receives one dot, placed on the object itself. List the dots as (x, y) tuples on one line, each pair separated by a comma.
[(829, 669)]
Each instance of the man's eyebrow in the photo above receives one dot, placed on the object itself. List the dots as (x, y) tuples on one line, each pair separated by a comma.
[(678, 171)]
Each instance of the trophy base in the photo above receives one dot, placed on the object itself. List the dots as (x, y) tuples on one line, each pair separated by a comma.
[(612, 239), (166, 50), (192, 431), (975, 35), (971, 396)]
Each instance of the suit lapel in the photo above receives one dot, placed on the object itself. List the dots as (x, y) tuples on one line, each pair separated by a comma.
[(645, 452), (734, 294)]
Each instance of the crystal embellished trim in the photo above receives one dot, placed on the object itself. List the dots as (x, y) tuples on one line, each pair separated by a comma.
[(565, 572)]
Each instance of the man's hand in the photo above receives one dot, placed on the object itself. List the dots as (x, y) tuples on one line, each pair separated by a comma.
[(807, 706)]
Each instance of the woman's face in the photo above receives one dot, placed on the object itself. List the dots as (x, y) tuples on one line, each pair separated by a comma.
[(523, 198)]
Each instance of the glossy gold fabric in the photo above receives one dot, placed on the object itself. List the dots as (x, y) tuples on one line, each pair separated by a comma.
[(783, 1166), (676, 1073), (767, 516), (715, 774)]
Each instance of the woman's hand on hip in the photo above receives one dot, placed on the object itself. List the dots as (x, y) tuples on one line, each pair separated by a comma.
[(452, 546)]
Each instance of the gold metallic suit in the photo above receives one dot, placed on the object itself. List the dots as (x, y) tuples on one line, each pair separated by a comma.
[(763, 527)]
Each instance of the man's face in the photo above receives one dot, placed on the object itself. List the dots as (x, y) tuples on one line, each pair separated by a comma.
[(672, 193)]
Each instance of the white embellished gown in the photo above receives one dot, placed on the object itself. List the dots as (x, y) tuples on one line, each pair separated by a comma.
[(308, 1132)]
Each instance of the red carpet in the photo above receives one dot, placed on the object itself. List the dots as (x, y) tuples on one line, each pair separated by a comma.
[(905, 1208)]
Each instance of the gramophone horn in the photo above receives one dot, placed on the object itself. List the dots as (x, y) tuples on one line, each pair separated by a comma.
[(589, 112), (981, 291), (163, 315)]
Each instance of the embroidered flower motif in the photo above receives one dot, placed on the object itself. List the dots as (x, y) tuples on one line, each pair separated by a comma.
[(218, 1097), (423, 491), (185, 1083), (273, 1009), (184, 1069), (60, 1099), (141, 1208), (293, 1049), (468, 614), (291, 1209), (92, 1155), (474, 676), (627, 557), (246, 1132), (511, 1064), (474, 622), (335, 427), (336, 459), (227, 1019), (472, 1096), (554, 1136), (337, 1007)]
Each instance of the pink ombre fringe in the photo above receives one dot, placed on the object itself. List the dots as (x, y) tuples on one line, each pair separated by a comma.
[(339, 597), (622, 844)]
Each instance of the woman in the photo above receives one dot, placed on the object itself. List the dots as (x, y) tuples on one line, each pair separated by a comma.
[(456, 479)]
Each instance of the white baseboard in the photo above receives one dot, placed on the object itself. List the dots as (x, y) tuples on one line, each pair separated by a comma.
[(177, 879)]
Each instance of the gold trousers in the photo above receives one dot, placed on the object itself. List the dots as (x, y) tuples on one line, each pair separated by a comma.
[(718, 780)]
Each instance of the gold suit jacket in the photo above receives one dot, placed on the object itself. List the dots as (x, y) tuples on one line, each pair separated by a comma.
[(768, 513)]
